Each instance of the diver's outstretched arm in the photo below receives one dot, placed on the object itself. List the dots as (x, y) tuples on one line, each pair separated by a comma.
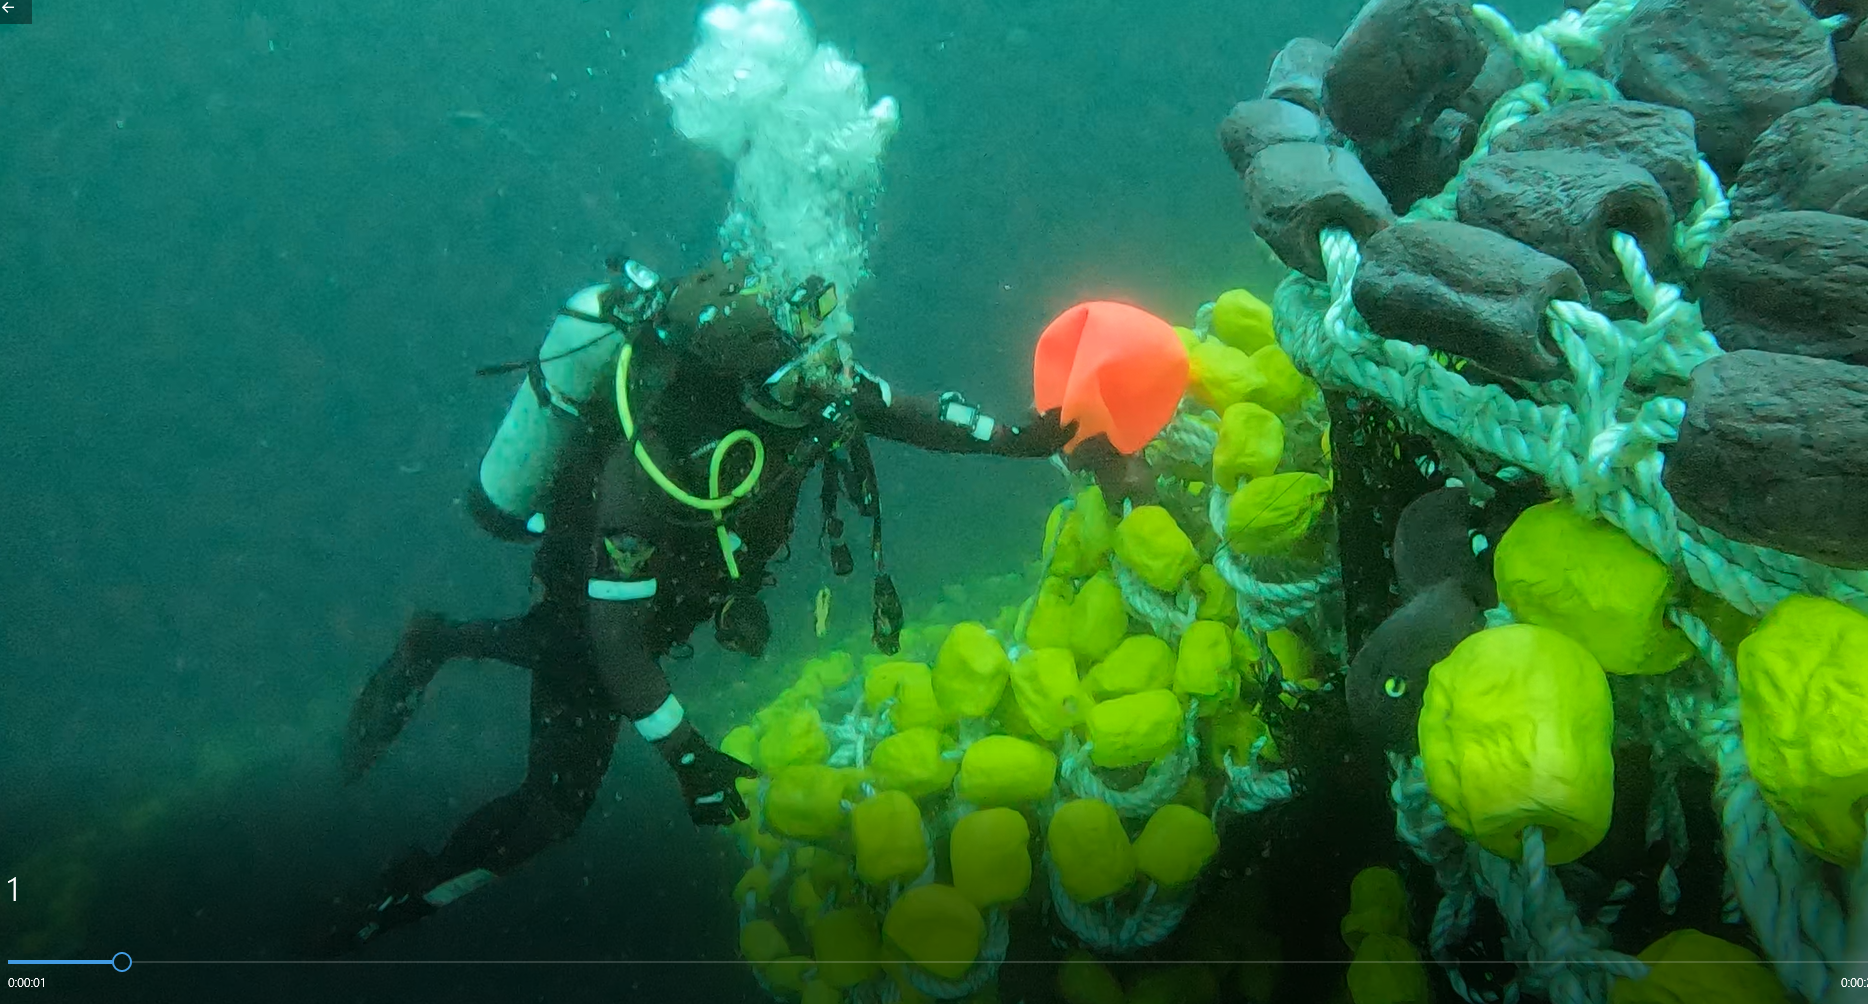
[(640, 689), (948, 423)]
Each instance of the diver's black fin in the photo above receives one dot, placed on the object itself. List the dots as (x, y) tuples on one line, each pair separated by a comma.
[(393, 693)]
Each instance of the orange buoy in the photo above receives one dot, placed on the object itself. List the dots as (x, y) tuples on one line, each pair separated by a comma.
[(1114, 369)]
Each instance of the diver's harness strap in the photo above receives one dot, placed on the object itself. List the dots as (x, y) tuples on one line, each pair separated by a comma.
[(836, 430), (830, 493), (836, 442), (548, 398), (634, 294), (576, 314), (838, 448), (851, 472), (886, 604)]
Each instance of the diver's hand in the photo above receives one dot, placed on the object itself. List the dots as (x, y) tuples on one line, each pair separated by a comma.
[(1121, 476), (1041, 434), (707, 777)]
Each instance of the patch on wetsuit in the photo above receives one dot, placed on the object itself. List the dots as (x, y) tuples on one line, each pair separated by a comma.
[(628, 554)]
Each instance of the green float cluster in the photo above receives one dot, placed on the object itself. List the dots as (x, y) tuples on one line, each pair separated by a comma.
[(1065, 748)]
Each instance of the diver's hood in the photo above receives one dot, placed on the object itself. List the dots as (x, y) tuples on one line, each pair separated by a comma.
[(714, 319)]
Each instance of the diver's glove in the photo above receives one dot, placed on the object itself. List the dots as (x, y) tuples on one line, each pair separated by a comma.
[(706, 777), (1123, 477), (1040, 434)]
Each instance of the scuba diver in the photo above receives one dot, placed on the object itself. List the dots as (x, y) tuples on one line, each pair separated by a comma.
[(657, 450)]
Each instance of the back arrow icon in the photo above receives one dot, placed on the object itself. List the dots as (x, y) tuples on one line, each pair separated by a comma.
[(6, 8)]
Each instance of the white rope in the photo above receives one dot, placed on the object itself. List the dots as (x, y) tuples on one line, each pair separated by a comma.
[(1188, 440), (1321, 330), (1606, 466), (853, 737), (1611, 909), (1158, 786), (1564, 960), (1857, 964), (1420, 823), (1167, 616), (1252, 787), (992, 951), (1711, 216), (1265, 605), (1776, 881), (1104, 926), (1666, 820)]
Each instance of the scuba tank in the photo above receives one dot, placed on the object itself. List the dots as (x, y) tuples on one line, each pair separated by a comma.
[(511, 494)]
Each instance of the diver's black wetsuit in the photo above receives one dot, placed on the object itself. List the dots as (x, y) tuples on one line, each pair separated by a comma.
[(573, 724), (678, 546), (594, 663)]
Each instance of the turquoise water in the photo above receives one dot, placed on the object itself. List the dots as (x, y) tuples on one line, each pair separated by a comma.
[(250, 256)]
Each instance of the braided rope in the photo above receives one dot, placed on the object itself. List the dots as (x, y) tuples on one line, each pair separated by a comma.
[(1764, 872), (1203, 321), (1580, 33), (1666, 820), (854, 735), (1158, 786), (1264, 605), (1664, 725), (766, 985), (992, 951), (1322, 332), (1611, 909), (1775, 880), (1112, 929), (1618, 475), (1420, 823), (1560, 50), (1168, 616), (1545, 56), (1252, 787), (1712, 214), (1189, 440), (1857, 966), (1564, 959)]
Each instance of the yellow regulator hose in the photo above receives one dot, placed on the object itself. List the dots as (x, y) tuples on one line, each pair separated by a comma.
[(715, 502)]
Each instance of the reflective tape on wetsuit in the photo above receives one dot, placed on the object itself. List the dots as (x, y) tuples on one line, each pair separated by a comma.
[(663, 722), (956, 410), (610, 589)]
